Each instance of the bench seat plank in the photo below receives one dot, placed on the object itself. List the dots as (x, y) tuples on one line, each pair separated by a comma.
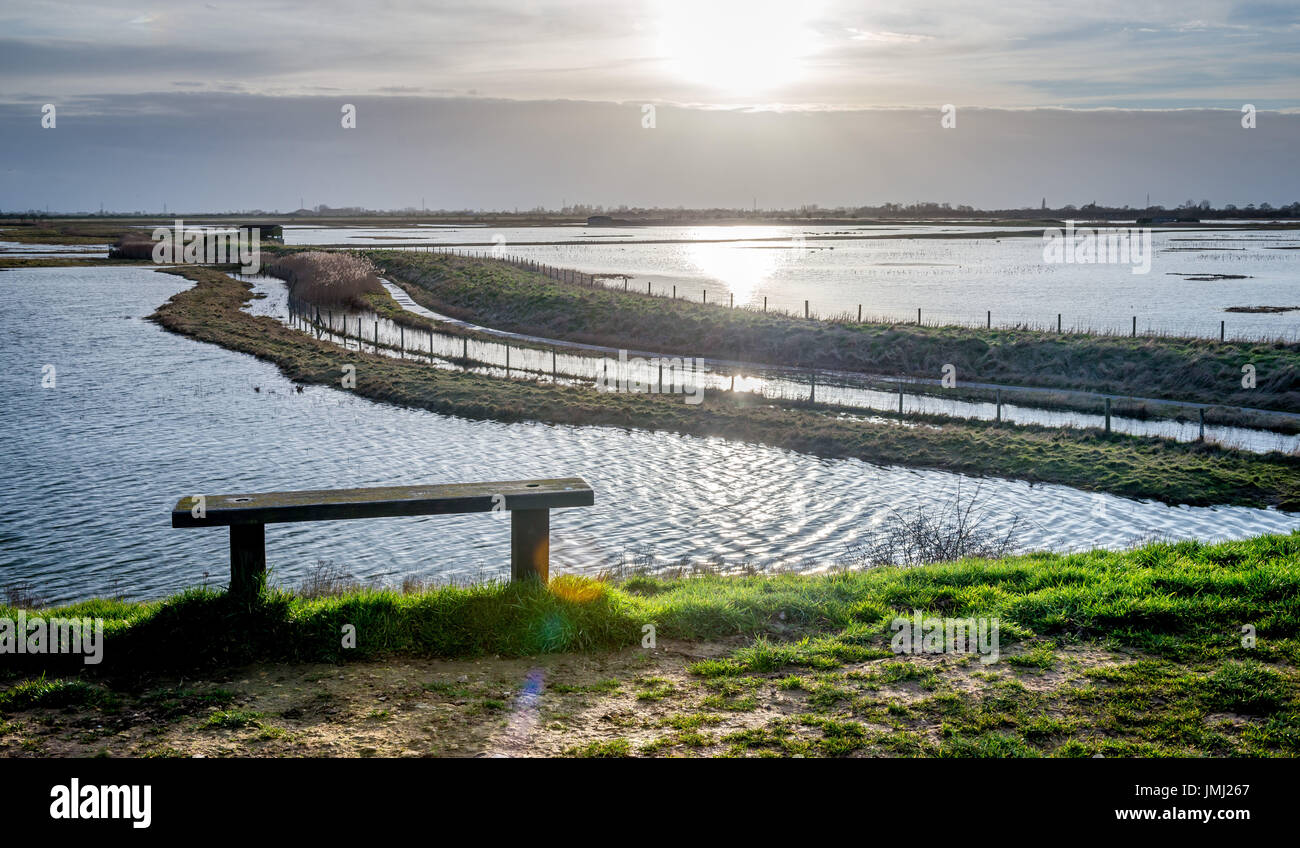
[(383, 502)]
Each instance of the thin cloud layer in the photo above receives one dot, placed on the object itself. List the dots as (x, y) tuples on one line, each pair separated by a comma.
[(827, 54)]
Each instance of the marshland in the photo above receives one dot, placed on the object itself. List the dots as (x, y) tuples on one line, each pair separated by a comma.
[(724, 525)]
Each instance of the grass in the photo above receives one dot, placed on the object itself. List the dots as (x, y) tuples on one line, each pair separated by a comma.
[(1131, 653), (1181, 600), (499, 295), (1196, 474)]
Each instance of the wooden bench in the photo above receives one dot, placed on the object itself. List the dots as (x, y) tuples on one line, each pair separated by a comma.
[(529, 503)]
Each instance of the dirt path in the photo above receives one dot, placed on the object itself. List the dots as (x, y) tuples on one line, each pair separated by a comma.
[(633, 702)]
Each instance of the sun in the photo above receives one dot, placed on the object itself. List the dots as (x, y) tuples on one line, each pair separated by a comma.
[(736, 47)]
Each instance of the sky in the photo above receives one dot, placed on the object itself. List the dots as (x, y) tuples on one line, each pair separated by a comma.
[(501, 105)]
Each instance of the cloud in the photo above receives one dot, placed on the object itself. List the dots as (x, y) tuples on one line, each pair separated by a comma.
[(887, 37), (241, 151), (1013, 53)]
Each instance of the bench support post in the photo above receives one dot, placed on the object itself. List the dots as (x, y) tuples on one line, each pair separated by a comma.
[(530, 544), (247, 558)]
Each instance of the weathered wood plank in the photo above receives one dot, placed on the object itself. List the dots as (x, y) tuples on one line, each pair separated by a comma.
[(382, 502)]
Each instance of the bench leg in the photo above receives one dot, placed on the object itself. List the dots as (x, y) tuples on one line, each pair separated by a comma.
[(247, 558), (530, 544)]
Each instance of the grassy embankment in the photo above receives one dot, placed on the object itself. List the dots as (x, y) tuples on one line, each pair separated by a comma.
[(1136, 653), (65, 232), (1136, 467), (498, 295)]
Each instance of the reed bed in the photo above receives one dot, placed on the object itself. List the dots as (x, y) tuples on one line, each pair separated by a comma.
[(328, 279)]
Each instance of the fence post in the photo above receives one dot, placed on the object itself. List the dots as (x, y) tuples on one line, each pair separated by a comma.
[(805, 309), (731, 300), (812, 393), (1135, 326), (859, 313), (900, 398), (402, 343), (706, 296), (918, 316), (989, 318), (1058, 322), (376, 337), (1201, 437), (555, 372), (1107, 415), (674, 292), (1221, 330), (465, 350), (997, 398), (765, 303)]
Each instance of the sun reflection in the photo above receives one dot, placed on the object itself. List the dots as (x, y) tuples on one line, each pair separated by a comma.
[(741, 268)]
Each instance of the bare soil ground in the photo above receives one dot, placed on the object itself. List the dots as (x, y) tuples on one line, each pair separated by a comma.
[(633, 702)]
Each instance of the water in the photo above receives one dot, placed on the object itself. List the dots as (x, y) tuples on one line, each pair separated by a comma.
[(952, 280), (140, 417), (362, 329)]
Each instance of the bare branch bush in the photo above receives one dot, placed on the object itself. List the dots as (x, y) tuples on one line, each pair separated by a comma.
[(956, 529)]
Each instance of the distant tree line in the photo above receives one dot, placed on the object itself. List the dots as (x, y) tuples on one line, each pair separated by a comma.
[(579, 211)]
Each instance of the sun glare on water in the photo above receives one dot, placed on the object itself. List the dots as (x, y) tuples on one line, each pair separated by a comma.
[(738, 48)]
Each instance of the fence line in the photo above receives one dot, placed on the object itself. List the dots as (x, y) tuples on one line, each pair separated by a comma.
[(310, 318), (573, 276)]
